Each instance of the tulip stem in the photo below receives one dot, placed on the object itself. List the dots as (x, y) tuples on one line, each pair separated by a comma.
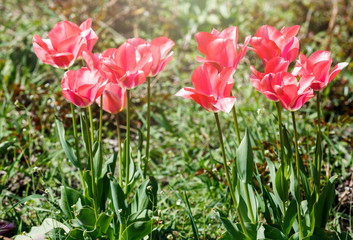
[(298, 175), (91, 124), (231, 187), (76, 144), (120, 153), (236, 125), (279, 112), (318, 145), (127, 157), (100, 119), (148, 126), (94, 187)]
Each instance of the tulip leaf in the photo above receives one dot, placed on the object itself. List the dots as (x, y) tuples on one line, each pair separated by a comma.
[(97, 159), (83, 124), (294, 184), (287, 147), (273, 233), (69, 197), (138, 230), (289, 218), (119, 202), (145, 197), (232, 230), (87, 218), (66, 146), (281, 185), (245, 159), (324, 204)]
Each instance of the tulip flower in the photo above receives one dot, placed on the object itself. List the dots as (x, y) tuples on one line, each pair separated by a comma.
[(129, 65), (114, 98), (160, 47), (269, 43), (220, 48), (83, 87), (275, 65), (285, 88), (66, 43), (318, 65), (212, 88)]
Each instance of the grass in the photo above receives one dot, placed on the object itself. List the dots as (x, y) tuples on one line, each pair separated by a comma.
[(185, 153)]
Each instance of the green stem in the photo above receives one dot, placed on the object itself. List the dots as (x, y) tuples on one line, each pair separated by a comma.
[(100, 119), (94, 187), (127, 159), (279, 112), (246, 188), (91, 124), (120, 153), (76, 144), (298, 175), (231, 187), (148, 126), (236, 126), (318, 154)]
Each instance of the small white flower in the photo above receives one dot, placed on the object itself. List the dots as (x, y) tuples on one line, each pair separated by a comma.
[(170, 237), (149, 188), (260, 110), (120, 210), (46, 191), (178, 202)]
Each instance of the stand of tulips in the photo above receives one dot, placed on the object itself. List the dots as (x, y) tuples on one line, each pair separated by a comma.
[(110, 206), (107, 207)]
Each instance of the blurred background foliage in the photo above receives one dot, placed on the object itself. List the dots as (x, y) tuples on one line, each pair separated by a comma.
[(31, 160)]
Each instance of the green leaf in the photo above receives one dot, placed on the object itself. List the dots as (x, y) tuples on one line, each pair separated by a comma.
[(324, 204), (87, 217), (40, 232), (287, 147), (83, 123), (69, 197), (88, 181), (138, 230), (98, 159), (273, 233), (119, 202), (104, 221), (245, 159), (294, 184), (75, 234), (146, 196), (144, 215), (104, 182), (66, 146), (281, 185), (232, 230), (290, 216)]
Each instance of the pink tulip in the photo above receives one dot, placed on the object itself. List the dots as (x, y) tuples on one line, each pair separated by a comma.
[(269, 43), (160, 47), (66, 43), (129, 65), (114, 98), (318, 65), (83, 87), (220, 48), (285, 88), (275, 65), (212, 88)]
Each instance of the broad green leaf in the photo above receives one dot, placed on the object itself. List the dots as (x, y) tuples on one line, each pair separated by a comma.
[(69, 197), (119, 202), (281, 185), (146, 196), (83, 124), (88, 182), (104, 221), (230, 227), (324, 204), (98, 159), (273, 233), (294, 184), (245, 159), (144, 215), (287, 147), (75, 234), (87, 217), (290, 216), (39, 232), (138, 230), (66, 146)]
